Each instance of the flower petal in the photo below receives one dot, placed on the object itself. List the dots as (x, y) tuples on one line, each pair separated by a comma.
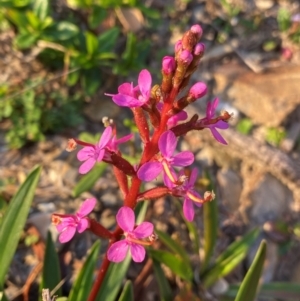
[(105, 137), (193, 177), (138, 252), (83, 225), (167, 144), (67, 234), (145, 81), (101, 154), (149, 171), (172, 121), (221, 125), (85, 153), (188, 209), (66, 222), (217, 135), (185, 158), (117, 251), (126, 88), (145, 229), (86, 207), (125, 219), (87, 166), (127, 101)]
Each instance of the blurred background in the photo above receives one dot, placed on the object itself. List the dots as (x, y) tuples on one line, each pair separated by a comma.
[(59, 57)]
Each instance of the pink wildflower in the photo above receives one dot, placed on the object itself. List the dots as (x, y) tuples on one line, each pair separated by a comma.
[(206, 122), (93, 153), (133, 97), (67, 224), (166, 144), (133, 237)]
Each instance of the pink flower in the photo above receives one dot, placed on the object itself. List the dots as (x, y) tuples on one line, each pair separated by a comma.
[(67, 224), (166, 144), (206, 122), (93, 153), (133, 237), (113, 144), (132, 97), (187, 191)]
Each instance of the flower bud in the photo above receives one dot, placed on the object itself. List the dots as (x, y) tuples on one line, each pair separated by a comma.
[(197, 30), (197, 90), (168, 65), (199, 49), (178, 46), (185, 57)]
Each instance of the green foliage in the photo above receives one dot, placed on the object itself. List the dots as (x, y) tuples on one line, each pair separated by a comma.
[(275, 135), (283, 19), (32, 114), (244, 126), (82, 286), (248, 288), (14, 221), (127, 293), (51, 271)]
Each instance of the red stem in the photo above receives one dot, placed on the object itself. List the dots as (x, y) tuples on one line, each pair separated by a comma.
[(151, 148)]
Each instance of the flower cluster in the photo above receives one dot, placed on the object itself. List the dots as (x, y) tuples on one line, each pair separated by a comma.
[(160, 116)]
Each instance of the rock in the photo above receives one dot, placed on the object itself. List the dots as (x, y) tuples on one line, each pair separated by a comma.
[(131, 18), (267, 98), (270, 200), (290, 140), (230, 184)]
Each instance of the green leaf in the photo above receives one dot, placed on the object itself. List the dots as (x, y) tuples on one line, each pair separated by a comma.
[(173, 245), (96, 17), (244, 126), (165, 290), (41, 8), (229, 259), (91, 43), (83, 284), (176, 264), (108, 39), (91, 81), (210, 223), (127, 293), (275, 290), (65, 30), (26, 40), (117, 271), (51, 270), (15, 219), (113, 280), (88, 181), (33, 20), (248, 288)]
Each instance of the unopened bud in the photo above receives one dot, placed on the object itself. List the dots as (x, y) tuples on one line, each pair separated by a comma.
[(185, 57), (197, 90), (71, 145), (168, 65), (199, 49), (178, 46), (197, 30)]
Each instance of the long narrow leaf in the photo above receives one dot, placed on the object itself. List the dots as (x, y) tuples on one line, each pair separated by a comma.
[(163, 284), (229, 259), (280, 290), (51, 270), (176, 264), (82, 286), (210, 223), (14, 221), (88, 180), (248, 288), (127, 293), (173, 245)]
